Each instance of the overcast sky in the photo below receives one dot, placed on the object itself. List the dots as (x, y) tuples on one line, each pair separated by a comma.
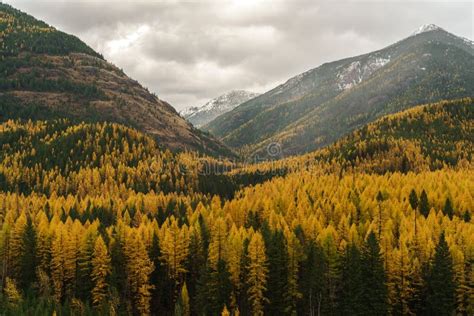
[(190, 51)]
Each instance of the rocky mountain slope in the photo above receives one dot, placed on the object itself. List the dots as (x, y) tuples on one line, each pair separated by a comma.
[(49, 74), (318, 107), (201, 115)]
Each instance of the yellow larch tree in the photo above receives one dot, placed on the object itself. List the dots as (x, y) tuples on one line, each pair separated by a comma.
[(101, 269), (139, 268), (174, 244), (257, 273), (58, 263), (218, 244)]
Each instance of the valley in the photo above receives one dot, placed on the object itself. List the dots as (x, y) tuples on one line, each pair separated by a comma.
[(347, 190)]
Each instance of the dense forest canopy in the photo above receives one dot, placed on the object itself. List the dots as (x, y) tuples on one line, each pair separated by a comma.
[(112, 204), (95, 218)]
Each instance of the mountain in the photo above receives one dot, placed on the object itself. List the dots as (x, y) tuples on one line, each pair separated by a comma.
[(49, 74), (424, 137), (201, 115), (321, 105)]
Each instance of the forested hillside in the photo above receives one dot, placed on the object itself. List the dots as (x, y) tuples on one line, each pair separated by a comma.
[(48, 74), (316, 108), (426, 137), (96, 219), (112, 204)]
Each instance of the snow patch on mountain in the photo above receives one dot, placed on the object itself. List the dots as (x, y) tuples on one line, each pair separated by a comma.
[(357, 71), (426, 28), (189, 111), (199, 116)]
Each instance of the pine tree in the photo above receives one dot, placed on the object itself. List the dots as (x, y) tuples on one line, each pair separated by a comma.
[(351, 284), (413, 198), (448, 208), (440, 281), (295, 254), (374, 279), (424, 205), (257, 274), (219, 288), (312, 280), (85, 285), (400, 279), (100, 271), (28, 258), (467, 216), (277, 285)]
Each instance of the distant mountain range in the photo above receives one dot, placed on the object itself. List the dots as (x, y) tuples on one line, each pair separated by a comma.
[(201, 115), (321, 105), (48, 74)]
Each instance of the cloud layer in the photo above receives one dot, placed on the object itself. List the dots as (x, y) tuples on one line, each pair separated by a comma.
[(188, 52)]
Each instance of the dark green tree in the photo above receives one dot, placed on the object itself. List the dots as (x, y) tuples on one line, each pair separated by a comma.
[(277, 284), (440, 282), (28, 259), (351, 284), (219, 289), (312, 280), (413, 198), (424, 205), (467, 216), (380, 199), (448, 208), (196, 267), (374, 279)]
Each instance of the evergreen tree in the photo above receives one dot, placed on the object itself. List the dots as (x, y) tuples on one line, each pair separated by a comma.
[(374, 279), (440, 281), (467, 216), (448, 208), (312, 280), (277, 285), (28, 259), (380, 199), (219, 288), (85, 265), (424, 205), (413, 198), (351, 285)]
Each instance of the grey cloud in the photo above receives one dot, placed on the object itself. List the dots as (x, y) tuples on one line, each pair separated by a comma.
[(188, 52)]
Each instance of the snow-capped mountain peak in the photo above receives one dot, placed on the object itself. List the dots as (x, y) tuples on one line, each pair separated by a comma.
[(202, 115), (426, 28)]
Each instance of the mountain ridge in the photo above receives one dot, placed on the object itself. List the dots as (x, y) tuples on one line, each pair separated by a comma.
[(201, 115), (284, 114), (51, 74)]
